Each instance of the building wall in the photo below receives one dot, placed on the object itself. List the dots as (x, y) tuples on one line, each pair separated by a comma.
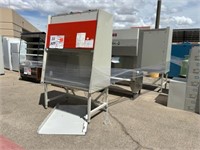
[(12, 24)]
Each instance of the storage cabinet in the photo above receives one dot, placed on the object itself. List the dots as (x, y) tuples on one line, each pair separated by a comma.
[(10, 52), (193, 81), (1, 56)]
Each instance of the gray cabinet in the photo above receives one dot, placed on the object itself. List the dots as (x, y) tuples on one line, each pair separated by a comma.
[(193, 81), (7, 42), (1, 56), (176, 97), (185, 93), (15, 56)]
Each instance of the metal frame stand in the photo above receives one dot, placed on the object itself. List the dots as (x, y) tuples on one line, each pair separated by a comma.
[(134, 93), (164, 82), (104, 104), (46, 99), (90, 112)]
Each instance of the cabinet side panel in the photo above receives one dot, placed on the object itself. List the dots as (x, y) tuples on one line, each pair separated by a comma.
[(101, 67)]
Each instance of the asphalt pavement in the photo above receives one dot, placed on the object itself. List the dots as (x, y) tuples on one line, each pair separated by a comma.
[(140, 123)]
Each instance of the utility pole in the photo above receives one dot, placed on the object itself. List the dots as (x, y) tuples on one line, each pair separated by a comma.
[(157, 23)]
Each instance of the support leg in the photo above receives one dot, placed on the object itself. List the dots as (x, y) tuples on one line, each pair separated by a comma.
[(106, 107), (106, 99), (89, 107), (66, 89), (45, 95), (139, 92), (166, 81), (67, 92), (73, 92), (161, 86)]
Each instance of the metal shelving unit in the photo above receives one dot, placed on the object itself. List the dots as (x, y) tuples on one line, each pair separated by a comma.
[(31, 68)]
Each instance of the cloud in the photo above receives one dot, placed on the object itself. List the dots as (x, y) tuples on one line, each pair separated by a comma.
[(177, 21), (183, 20), (127, 13)]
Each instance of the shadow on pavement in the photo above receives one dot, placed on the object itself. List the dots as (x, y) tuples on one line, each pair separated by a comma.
[(161, 99), (119, 91)]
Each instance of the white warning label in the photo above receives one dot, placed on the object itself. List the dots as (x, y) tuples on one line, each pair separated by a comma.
[(83, 42), (57, 41)]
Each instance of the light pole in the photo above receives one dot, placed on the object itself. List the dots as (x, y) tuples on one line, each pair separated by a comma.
[(158, 14)]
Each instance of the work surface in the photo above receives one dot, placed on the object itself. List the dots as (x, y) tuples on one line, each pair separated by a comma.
[(141, 123)]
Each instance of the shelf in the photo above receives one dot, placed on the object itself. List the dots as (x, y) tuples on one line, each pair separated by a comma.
[(32, 62), (34, 55), (35, 43), (37, 49), (35, 61)]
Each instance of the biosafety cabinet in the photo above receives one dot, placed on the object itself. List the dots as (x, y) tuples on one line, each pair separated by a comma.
[(78, 51), (143, 49), (154, 52), (125, 48), (125, 57), (136, 51)]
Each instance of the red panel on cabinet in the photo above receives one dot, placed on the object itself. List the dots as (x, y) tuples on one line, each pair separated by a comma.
[(72, 35)]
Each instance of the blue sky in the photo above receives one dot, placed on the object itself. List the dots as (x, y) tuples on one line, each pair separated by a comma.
[(127, 13)]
